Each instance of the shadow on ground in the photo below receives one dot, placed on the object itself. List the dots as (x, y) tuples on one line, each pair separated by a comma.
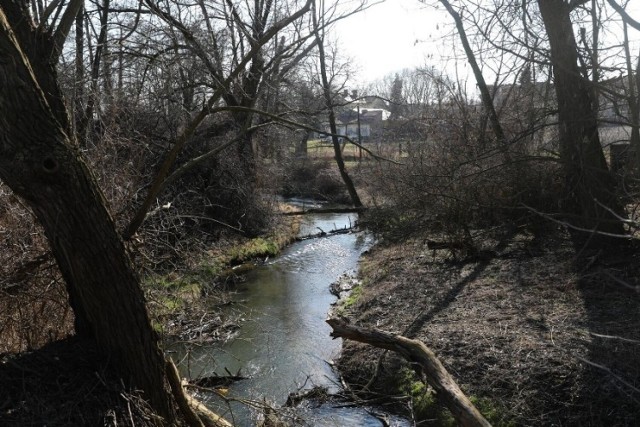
[(523, 328), (610, 393), (65, 383)]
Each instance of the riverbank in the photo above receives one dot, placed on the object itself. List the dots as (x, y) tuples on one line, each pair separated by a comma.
[(68, 382), (532, 336), (180, 300)]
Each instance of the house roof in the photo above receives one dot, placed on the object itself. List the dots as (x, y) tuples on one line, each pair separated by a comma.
[(374, 113)]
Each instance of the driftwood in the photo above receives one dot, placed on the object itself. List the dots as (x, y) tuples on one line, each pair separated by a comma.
[(323, 233), (217, 380), (325, 210), (465, 413)]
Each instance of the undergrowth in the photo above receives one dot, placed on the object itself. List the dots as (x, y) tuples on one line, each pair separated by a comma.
[(170, 294)]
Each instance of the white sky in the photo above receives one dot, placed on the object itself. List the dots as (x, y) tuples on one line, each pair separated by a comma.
[(397, 34), (388, 37)]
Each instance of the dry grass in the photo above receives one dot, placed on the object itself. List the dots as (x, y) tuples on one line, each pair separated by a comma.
[(523, 326)]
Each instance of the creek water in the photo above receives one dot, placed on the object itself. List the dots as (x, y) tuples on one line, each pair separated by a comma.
[(283, 344)]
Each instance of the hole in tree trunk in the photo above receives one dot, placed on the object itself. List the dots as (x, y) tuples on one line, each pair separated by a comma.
[(50, 165)]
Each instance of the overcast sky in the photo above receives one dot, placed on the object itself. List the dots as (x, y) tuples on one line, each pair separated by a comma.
[(399, 34), (388, 37)]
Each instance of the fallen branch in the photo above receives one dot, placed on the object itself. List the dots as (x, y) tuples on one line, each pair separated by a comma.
[(416, 352), (215, 381), (194, 412), (323, 233), (325, 210)]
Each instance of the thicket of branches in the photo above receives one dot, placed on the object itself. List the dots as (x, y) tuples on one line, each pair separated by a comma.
[(506, 156), (193, 117)]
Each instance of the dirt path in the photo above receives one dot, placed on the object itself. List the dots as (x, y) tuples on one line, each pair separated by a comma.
[(522, 325)]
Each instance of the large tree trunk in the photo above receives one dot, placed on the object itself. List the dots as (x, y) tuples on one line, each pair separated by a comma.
[(40, 163), (591, 188)]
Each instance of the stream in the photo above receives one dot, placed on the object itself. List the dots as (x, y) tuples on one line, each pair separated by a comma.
[(283, 344)]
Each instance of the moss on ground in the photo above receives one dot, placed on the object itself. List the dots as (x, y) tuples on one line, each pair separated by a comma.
[(426, 406), (351, 299)]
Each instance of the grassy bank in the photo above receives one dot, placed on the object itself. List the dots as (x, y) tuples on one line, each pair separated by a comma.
[(210, 273)]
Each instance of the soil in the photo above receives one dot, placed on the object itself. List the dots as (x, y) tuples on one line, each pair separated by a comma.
[(546, 339)]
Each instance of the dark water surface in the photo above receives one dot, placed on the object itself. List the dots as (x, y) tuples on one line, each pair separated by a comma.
[(283, 344)]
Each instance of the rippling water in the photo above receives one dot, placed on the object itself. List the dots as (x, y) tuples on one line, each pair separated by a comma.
[(284, 343)]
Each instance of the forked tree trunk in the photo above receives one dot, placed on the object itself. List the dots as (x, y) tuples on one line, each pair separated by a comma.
[(591, 188), (39, 162)]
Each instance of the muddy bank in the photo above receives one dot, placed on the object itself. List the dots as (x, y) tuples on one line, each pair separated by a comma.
[(535, 337)]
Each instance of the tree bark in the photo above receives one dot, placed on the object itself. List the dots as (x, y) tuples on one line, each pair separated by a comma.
[(416, 352), (590, 186), (40, 163)]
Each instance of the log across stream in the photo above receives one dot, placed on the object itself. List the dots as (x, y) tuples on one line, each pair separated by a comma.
[(284, 344)]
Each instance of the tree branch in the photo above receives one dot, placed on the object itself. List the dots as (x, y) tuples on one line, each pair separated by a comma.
[(625, 16), (171, 156), (67, 21)]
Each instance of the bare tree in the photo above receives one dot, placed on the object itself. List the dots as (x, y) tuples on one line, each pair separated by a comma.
[(40, 162), (590, 186), (485, 95), (318, 13), (235, 61)]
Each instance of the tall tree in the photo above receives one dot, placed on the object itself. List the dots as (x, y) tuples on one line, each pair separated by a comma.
[(235, 62), (39, 160), (485, 95), (396, 98), (590, 186), (318, 28)]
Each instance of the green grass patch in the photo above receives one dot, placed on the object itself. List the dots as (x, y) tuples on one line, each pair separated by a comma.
[(424, 402), (254, 248), (170, 293), (352, 298), (218, 264)]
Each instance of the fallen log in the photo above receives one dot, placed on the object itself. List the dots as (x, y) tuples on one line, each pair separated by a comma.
[(216, 381), (323, 233), (325, 210), (465, 413)]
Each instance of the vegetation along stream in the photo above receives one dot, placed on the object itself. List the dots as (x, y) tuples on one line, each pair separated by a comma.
[(283, 345)]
